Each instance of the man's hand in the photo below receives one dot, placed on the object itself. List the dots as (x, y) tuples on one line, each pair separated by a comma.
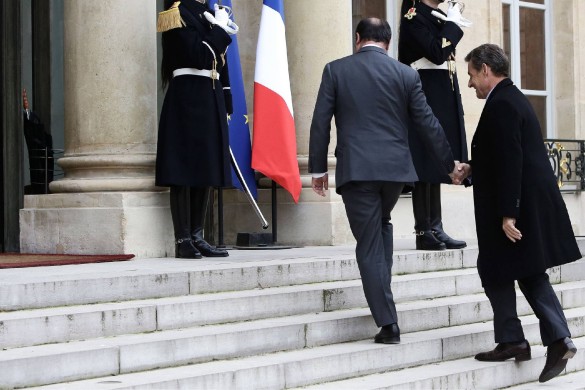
[(460, 173), (509, 227), (320, 184)]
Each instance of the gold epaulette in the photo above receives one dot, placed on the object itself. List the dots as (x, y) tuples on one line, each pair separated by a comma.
[(170, 19)]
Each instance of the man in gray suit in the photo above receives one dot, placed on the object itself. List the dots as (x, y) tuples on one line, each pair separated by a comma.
[(374, 99)]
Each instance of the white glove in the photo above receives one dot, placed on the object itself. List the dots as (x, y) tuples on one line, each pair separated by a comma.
[(453, 15), (222, 19)]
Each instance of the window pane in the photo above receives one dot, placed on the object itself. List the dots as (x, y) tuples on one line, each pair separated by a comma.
[(506, 29), (364, 9), (532, 49), (539, 104), (534, 1)]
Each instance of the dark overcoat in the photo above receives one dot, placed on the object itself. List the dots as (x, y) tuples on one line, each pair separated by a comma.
[(427, 36), (512, 177), (193, 138)]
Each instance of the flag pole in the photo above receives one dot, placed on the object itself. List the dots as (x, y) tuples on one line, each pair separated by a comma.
[(274, 214), (247, 191)]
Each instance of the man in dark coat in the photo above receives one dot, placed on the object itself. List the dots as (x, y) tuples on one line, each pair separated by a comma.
[(373, 97), (523, 226), (193, 143), (427, 43)]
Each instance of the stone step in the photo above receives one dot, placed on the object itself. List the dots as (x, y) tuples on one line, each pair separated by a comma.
[(573, 380), (54, 325), (296, 368), (44, 287), (469, 373)]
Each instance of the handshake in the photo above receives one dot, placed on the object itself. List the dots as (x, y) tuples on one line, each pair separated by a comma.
[(453, 14), (222, 19), (460, 172)]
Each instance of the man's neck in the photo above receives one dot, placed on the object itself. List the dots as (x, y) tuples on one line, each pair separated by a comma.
[(381, 45), (431, 3)]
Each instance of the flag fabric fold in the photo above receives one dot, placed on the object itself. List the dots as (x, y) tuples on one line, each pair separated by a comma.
[(274, 146), (238, 122)]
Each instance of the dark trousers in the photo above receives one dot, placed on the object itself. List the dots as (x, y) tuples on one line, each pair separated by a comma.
[(368, 205), (426, 206), (544, 302)]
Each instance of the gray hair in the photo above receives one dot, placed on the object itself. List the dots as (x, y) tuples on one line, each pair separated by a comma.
[(491, 55)]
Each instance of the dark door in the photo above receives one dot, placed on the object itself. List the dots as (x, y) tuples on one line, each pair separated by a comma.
[(11, 189)]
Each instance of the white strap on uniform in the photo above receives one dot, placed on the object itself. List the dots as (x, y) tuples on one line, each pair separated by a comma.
[(196, 72), (424, 63)]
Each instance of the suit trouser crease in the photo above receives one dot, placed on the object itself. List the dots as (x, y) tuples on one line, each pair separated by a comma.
[(366, 205), (543, 301)]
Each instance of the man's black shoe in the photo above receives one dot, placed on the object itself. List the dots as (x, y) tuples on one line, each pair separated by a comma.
[(505, 351), (557, 355), (449, 242), (208, 250), (389, 334), (184, 249), (426, 241)]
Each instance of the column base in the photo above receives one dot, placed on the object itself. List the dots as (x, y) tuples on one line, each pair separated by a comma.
[(313, 221), (322, 220), (136, 223)]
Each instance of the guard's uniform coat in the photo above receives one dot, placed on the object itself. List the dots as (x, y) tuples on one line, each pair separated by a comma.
[(512, 177), (193, 138), (427, 36)]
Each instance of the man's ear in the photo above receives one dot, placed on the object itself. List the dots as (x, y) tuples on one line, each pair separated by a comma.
[(485, 69), (357, 38)]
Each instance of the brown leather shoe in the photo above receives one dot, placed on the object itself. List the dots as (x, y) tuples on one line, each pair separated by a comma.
[(557, 355), (505, 351)]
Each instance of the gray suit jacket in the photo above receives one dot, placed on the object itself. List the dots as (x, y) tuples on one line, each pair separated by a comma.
[(372, 97)]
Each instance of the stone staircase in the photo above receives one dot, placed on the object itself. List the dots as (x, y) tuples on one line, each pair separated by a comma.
[(264, 320)]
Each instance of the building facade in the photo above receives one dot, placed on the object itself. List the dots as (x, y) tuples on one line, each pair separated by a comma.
[(107, 202)]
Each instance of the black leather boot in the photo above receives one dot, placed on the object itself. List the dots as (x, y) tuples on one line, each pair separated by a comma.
[(179, 201), (199, 199), (184, 249), (425, 240), (437, 222)]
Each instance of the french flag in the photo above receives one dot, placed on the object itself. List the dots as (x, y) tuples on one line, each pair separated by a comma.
[(274, 146)]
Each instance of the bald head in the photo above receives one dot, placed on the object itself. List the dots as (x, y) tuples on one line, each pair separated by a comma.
[(373, 30)]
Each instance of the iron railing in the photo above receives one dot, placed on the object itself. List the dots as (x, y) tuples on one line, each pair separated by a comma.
[(567, 159)]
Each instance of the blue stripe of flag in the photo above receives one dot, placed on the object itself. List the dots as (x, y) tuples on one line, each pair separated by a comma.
[(239, 129), (277, 5)]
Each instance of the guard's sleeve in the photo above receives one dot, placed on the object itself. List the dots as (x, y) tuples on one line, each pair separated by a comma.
[(200, 51), (436, 48)]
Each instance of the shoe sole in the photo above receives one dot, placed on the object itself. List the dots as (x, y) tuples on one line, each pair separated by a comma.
[(387, 341), (440, 248), (519, 358), (457, 246)]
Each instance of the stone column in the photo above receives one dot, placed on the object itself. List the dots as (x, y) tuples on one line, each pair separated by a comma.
[(107, 201)]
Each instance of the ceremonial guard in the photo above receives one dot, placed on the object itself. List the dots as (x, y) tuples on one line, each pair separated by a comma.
[(193, 144), (427, 41)]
